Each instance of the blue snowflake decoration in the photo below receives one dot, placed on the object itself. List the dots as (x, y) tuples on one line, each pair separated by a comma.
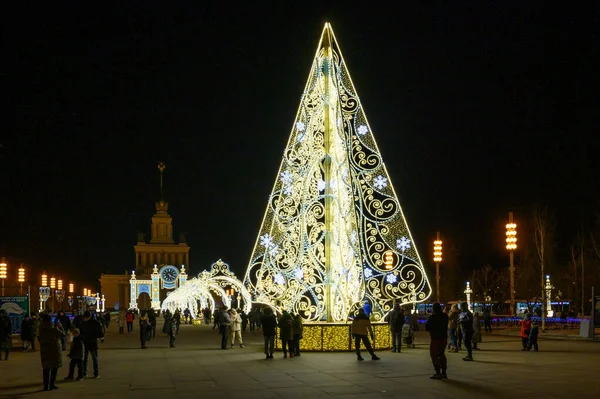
[(368, 272), (403, 244), (391, 278), (279, 279)]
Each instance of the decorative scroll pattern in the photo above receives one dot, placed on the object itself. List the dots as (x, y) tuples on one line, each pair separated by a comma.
[(333, 211)]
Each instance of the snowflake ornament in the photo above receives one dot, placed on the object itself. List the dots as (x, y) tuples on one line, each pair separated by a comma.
[(300, 126), (279, 279), (368, 272), (267, 241), (274, 251), (391, 278), (403, 244), (286, 177), (380, 182), (299, 273), (362, 130), (288, 190), (321, 185)]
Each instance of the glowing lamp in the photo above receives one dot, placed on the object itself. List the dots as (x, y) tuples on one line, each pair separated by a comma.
[(511, 236), (52, 282), (3, 269), (437, 251), (21, 275), (71, 288), (59, 284), (388, 260), (44, 280)]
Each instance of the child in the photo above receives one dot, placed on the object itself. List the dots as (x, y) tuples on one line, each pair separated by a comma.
[(76, 355), (533, 338)]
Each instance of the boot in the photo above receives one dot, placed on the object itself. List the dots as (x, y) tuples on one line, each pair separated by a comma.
[(394, 349), (359, 358)]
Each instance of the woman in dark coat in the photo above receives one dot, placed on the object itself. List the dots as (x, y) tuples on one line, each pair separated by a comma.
[(286, 333), (145, 329), (26, 332), (50, 350)]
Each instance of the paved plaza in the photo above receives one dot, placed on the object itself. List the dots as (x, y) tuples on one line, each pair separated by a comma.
[(197, 367)]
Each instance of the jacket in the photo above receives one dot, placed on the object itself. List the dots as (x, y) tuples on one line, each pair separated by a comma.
[(50, 346), (145, 329), (27, 330), (224, 319), (525, 328), (533, 335), (298, 326), (476, 329), (437, 325), (453, 318), (77, 349), (361, 325), (236, 321), (91, 331), (64, 321), (129, 317), (286, 327), (269, 325), (396, 320), (466, 323)]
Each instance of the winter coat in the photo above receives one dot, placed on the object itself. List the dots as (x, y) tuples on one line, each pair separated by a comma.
[(77, 349), (5, 332), (224, 319), (453, 318), (27, 330), (236, 321), (269, 324), (298, 326), (525, 328), (437, 325), (91, 331), (361, 325), (396, 320), (50, 346), (476, 329), (286, 327), (64, 320), (533, 335), (121, 319), (145, 329), (466, 324), (129, 317)]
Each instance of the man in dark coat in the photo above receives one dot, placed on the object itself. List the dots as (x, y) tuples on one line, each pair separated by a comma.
[(91, 332), (224, 326), (466, 324), (269, 326), (396, 321), (65, 323), (437, 325)]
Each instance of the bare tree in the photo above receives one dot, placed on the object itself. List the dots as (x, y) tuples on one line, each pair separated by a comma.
[(543, 224)]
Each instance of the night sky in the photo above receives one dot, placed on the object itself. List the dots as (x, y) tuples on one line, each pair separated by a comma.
[(478, 110)]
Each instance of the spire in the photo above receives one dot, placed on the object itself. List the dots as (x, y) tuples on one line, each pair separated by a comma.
[(161, 168), (162, 206), (333, 213)]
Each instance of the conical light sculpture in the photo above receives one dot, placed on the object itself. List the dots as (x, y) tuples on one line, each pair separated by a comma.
[(333, 235)]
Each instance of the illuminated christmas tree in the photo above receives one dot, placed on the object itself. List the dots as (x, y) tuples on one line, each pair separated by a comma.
[(333, 235)]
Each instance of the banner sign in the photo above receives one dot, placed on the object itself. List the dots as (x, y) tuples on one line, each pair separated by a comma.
[(16, 309)]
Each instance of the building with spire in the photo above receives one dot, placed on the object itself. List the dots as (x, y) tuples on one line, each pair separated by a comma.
[(160, 264)]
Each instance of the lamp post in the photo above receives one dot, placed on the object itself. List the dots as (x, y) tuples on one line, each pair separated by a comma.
[(548, 287), (52, 288), (21, 278), (468, 292), (70, 297), (44, 292), (3, 272), (437, 258), (511, 245), (60, 293)]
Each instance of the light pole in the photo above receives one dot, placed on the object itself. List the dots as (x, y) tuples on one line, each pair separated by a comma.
[(21, 278), (437, 258), (60, 293), (3, 272), (52, 287), (511, 245), (70, 298), (44, 292), (548, 287), (468, 292)]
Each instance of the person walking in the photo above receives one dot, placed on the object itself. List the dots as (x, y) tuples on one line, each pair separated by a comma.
[(224, 325), (437, 325), (27, 332), (466, 324), (286, 334), (476, 331), (177, 317), (396, 321), (269, 326), (76, 353), (121, 321), (91, 331), (152, 321), (206, 314), (145, 329), (50, 351), (5, 334), (487, 319), (298, 328), (236, 328), (452, 327), (361, 328), (525, 330), (170, 328), (129, 317)]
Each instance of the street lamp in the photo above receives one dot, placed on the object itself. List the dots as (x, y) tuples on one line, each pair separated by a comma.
[(3, 272), (60, 293), (548, 287), (21, 278), (44, 292), (437, 258), (44, 280), (468, 292), (511, 245)]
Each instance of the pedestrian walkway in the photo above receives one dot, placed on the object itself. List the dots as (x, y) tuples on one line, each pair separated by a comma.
[(197, 367)]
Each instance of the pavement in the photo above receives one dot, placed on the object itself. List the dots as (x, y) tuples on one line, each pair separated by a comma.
[(197, 367)]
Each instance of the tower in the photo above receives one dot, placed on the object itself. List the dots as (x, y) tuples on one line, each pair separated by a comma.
[(333, 212)]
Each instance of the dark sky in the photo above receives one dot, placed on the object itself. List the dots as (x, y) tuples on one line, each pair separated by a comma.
[(478, 109)]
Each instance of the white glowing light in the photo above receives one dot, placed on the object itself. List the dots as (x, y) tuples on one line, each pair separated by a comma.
[(362, 130), (288, 190), (391, 278), (299, 273), (267, 241), (300, 126), (279, 279), (321, 185), (368, 272), (286, 177), (380, 182), (403, 244)]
